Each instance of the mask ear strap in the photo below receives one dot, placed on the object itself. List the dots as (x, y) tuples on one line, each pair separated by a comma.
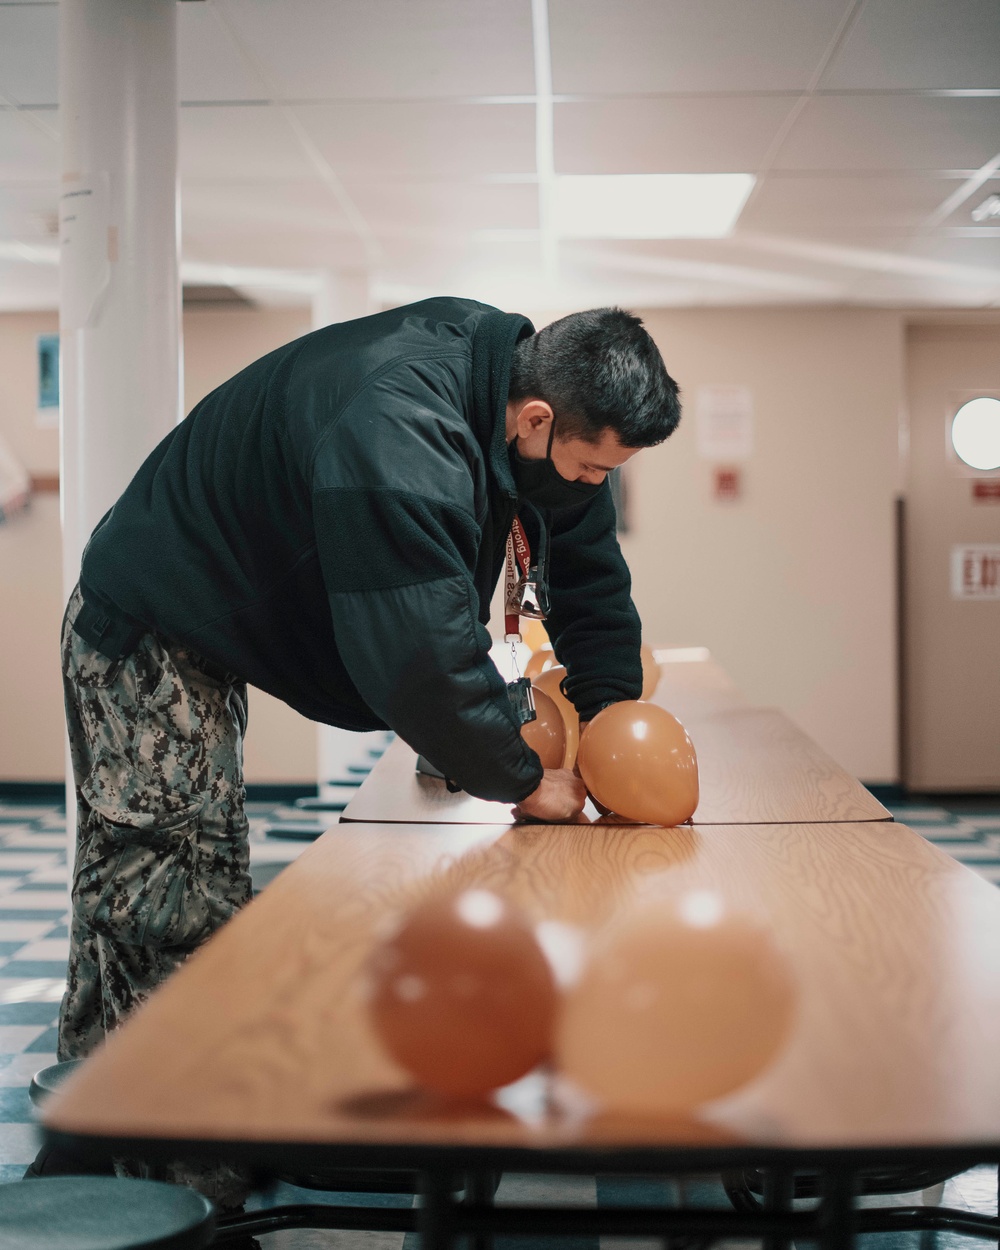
[(552, 434)]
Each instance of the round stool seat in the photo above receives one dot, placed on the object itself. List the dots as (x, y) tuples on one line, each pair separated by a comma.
[(103, 1213), (47, 1080)]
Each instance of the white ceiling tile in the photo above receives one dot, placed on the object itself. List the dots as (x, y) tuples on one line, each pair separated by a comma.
[(423, 140), (656, 136), (300, 205), (921, 43), (844, 203), (894, 132), (28, 53), (27, 154), (210, 66), (363, 49), (983, 252), (426, 209), (636, 46), (239, 142)]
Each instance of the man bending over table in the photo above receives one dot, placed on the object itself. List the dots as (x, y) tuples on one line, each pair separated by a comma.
[(329, 525)]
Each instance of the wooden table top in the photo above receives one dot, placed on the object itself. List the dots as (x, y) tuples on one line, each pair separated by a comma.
[(262, 1037), (755, 767)]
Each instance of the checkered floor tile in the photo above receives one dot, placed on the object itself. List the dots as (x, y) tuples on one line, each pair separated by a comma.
[(34, 942)]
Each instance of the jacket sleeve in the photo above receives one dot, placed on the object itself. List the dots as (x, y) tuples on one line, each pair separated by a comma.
[(593, 623), (395, 519)]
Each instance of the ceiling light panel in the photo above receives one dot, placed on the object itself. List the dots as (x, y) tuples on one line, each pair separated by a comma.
[(390, 49), (657, 136), (679, 45), (806, 204), (649, 206), (893, 132), (898, 44)]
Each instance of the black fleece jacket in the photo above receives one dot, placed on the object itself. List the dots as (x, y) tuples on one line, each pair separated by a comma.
[(330, 525)]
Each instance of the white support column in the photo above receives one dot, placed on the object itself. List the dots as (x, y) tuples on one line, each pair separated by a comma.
[(341, 297), (119, 301)]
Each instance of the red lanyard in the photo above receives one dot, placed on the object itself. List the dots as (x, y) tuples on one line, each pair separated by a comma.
[(518, 558)]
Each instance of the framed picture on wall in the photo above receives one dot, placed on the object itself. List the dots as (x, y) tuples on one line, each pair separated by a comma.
[(48, 380)]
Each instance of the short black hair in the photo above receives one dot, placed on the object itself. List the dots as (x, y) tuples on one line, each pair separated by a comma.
[(599, 370)]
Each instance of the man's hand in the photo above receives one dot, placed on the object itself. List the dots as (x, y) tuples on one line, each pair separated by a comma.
[(559, 798)]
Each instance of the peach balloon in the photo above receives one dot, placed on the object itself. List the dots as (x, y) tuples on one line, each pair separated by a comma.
[(462, 995), (542, 659), (533, 634), (637, 759), (549, 682), (546, 734), (676, 1007), (650, 672)]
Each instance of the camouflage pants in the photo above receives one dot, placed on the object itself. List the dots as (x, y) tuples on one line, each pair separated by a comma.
[(156, 741)]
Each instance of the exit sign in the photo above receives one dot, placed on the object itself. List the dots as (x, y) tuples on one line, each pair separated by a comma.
[(975, 571)]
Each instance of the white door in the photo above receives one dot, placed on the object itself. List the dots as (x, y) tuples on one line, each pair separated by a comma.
[(951, 612)]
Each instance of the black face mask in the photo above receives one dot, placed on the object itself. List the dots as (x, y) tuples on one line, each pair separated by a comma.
[(541, 483)]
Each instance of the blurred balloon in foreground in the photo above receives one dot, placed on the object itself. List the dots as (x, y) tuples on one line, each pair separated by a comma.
[(637, 759), (676, 1006), (546, 734), (533, 634), (548, 682), (462, 996), (542, 659), (650, 672)]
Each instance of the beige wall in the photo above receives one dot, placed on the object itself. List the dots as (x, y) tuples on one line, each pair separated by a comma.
[(281, 745), (792, 588)]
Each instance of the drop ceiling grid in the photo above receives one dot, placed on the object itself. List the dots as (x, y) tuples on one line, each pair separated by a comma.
[(701, 90)]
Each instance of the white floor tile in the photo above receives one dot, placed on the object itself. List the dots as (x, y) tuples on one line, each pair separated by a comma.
[(25, 861), (23, 930), (36, 842), (920, 813), (48, 948), (31, 989), (14, 1037), (30, 900), (50, 876), (944, 833), (967, 852), (990, 872), (19, 1143), (22, 1068)]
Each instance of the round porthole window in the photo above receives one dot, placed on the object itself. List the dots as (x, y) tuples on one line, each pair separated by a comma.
[(975, 433)]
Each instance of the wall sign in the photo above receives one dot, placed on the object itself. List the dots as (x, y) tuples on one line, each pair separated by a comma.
[(975, 571), (724, 423), (986, 490)]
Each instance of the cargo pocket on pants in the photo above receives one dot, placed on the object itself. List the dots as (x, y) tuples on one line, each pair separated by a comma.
[(140, 878)]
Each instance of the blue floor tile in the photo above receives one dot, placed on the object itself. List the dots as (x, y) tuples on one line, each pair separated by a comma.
[(15, 1105), (40, 913), (32, 968), (45, 1044), (28, 1013)]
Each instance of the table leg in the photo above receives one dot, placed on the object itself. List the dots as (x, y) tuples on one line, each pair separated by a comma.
[(779, 1191), (436, 1218), (836, 1209), (480, 1188)]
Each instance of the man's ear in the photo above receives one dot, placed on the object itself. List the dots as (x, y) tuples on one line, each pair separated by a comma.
[(534, 414)]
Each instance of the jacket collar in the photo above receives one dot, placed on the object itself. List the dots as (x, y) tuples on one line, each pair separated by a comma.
[(493, 344)]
